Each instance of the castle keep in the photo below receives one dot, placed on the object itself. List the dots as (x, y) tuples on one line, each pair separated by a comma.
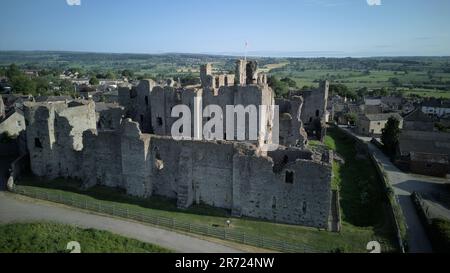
[(130, 147)]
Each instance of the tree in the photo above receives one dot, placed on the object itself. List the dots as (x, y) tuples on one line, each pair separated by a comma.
[(342, 90), (390, 135), (362, 92), (127, 73), (280, 88), (189, 79), (395, 82), (13, 71), (290, 82), (351, 118), (441, 127), (94, 81), (110, 75), (66, 87), (22, 84), (379, 92), (42, 85)]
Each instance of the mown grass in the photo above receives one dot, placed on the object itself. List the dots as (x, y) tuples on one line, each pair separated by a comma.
[(376, 79), (351, 239), (53, 238), (427, 93), (363, 210), (362, 200), (439, 232)]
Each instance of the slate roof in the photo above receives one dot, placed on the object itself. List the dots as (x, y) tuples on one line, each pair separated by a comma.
[(424, 142), (432, 158), (372, 101), (52, 98), (436, 103), (372, 109), (383, 116), (417, 115)]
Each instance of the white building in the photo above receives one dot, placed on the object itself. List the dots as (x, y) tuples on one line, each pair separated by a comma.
[(434, 107)]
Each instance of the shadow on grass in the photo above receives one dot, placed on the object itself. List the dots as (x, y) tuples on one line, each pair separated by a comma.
[(363, 202), (119, 195)]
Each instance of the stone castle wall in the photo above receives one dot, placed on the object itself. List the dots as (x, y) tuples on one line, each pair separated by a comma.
[(2, 108), (290, 185), (230, 175)]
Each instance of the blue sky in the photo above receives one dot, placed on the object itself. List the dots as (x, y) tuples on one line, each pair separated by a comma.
[(271, 27)]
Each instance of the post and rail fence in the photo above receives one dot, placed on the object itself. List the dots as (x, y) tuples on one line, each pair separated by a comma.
[(222, 233)]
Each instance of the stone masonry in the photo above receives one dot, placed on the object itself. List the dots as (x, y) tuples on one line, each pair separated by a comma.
[(2, 108), (136, 152)]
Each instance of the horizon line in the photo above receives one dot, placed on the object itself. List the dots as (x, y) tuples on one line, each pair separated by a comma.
[(256, 54)]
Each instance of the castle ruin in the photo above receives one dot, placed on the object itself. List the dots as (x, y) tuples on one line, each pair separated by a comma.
[(130, 147)]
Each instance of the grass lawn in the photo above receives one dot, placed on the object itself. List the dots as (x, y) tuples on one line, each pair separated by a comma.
[(363, 203), (354, 80), (361, 193), (364, 217), (53, 238), (439, 232), (427, 93)]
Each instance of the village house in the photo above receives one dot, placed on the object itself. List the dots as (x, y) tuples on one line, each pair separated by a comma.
[(436, 107), (424, 152), (372, 125), (418, 121)]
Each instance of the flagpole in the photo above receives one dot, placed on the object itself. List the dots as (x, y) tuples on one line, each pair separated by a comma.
[(245, 51)]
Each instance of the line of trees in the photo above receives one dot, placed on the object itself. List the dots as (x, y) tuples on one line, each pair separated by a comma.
[(281, 87), (40, 85)]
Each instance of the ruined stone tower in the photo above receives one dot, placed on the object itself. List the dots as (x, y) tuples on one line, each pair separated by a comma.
[(289, 185), (2, 108), (251, 72), (206, 75), (241, 72), (55, 136)]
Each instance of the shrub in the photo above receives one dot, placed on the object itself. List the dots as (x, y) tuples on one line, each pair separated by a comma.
[(440, 235)]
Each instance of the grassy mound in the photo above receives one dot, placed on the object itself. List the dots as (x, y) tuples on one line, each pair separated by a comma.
[(53, 238)]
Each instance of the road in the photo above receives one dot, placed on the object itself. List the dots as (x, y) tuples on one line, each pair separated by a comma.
[(404, 184), (15, 209)]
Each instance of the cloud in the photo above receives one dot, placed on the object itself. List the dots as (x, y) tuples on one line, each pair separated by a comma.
[(73, 2), (374, 2)]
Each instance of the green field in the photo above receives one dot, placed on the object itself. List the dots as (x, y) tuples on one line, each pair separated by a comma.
[(362, 199), (421, 76), (427, 93), (375, 80), (439, 233), (53, 238), (364, 215)]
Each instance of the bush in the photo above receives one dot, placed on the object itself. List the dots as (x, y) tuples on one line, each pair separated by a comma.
[(440, 235), (390, 135), (343, 91), (6, 138), (281, 88)]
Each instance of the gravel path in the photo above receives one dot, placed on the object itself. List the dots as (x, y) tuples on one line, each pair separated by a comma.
[(15, 209)]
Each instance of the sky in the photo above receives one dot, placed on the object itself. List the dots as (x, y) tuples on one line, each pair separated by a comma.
[(269, 27)]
